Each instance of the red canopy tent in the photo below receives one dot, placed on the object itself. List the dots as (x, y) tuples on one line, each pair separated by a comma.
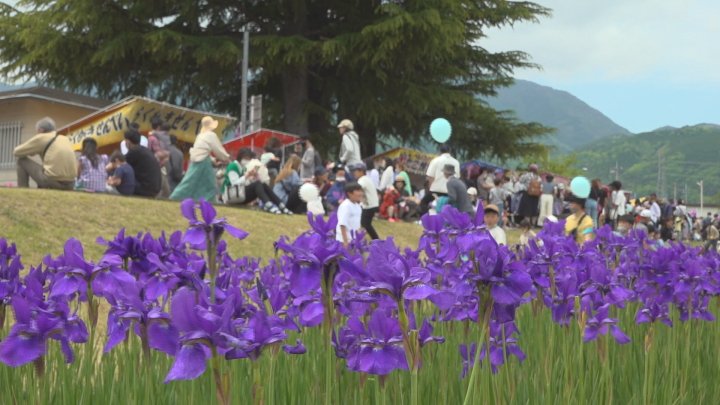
[(256, 141)]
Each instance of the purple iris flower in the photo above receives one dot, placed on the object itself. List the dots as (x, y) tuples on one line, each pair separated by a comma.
[(209, 227), (203, 328), (37, 323), (259, 332), (376, 348), (10, 283), (600, 323), (130, 309)]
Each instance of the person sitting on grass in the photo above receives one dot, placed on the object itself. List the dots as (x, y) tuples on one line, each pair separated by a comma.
[(391, 198), (91, 174), (148, 178), (349, 214), (122, 176), (492, 217), (248, 173)]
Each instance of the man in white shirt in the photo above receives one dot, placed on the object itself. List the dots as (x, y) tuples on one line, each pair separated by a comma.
[(655, 208), (371, 202), (617, 201), (436, 178), (349, 214), (492, 217)]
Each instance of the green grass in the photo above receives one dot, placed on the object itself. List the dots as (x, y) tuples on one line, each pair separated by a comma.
[(40, 221)]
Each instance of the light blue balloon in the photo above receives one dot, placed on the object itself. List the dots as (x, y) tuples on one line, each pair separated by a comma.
[(580, 187), (440, 130)]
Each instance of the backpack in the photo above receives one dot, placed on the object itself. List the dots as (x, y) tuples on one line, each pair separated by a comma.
[(534, 188)]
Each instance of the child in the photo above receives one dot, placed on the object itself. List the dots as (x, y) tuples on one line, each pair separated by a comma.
[(122, 175), (349, 214), (336, 193), (527, 233)]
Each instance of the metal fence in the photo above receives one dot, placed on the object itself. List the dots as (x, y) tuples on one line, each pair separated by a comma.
[(10, 137)]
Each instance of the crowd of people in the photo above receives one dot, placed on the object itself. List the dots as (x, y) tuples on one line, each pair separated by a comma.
[(302, 181)]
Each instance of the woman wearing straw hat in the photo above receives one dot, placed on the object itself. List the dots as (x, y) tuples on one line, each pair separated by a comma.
[(199, 181)]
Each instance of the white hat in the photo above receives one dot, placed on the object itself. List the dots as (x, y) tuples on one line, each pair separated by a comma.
[(209, 122), (346, 123), (646, 214), (472, 191)]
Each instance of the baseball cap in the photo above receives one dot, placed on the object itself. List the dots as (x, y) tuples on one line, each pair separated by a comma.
[(492, 208)]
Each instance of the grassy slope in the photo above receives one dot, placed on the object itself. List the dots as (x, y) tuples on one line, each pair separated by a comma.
[(39, 222)]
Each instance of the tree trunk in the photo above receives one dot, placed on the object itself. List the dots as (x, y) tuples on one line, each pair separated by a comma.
[(295, 97)]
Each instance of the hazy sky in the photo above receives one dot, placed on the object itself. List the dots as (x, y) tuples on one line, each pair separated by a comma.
[(644, 63)]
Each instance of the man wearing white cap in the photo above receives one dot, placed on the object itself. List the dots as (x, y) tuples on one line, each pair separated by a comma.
[(350, 148)]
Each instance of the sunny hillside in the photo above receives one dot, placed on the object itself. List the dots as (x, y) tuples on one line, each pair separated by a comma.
[(39, 222), (690, 155)]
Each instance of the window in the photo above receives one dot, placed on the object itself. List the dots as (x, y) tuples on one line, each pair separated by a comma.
[(10, 137)]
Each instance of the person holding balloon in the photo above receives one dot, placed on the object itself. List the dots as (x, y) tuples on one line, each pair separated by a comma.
[(579, 224)]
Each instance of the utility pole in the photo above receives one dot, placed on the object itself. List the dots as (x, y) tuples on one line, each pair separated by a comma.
[(660, 189), (675, 193), (686, 194), (701, 183), (244, 85)]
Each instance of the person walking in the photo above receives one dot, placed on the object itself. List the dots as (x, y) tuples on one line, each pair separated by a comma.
[(579, 224), (199, 181), (91, 173), (546, 199), (58, 168), (311, 161), (371, 202), (593, 201), (530, 188), (159, 144), (349, 214), (457, 191), (350, 147), (436, 177), (618, 201)]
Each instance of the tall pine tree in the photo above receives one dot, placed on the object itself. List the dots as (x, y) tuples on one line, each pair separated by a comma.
[(389, 65)]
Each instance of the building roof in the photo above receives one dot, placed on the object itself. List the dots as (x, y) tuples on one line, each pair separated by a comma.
[(55, 95)]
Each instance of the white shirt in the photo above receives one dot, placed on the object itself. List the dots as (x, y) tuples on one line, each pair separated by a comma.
[(348, 215), (371, 196), (655, 212), (618, 200), (499, 235), (435, 170), (206, 143), (387, 179), (375, 177)]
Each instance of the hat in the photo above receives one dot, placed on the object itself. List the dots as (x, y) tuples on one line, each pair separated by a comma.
[(646, 214), (209, 123), (492, 208), (575, 199), (346, 123), (533, 167), (449, 169), (472, 191), (399, 179), (320, 171), (357, 166)]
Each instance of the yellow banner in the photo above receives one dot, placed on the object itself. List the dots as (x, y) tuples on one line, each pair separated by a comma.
[(416, 162), (109, 125)]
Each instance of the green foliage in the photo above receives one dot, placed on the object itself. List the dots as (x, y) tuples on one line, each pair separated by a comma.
[(690, 155), (390, 66)]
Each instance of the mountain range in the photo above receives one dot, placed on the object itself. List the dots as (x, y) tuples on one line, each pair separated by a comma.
[(686, 155), (576, 123)]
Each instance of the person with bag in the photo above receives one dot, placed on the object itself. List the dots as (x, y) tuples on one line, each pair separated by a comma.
[(579, 224), (244, 183), (530, 188), (350, 147), (287, 186), (58, 168), (199, 181)]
